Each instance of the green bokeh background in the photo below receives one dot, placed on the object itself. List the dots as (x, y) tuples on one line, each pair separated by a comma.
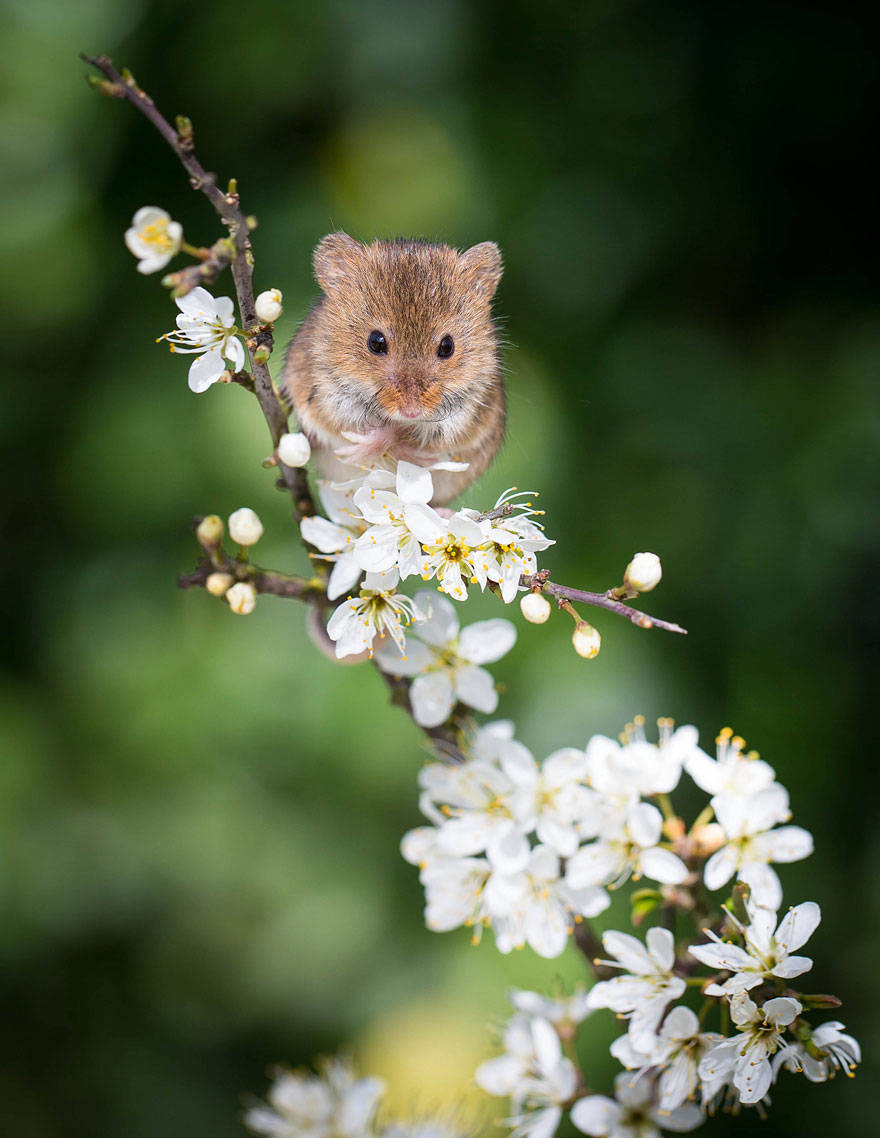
[(199, 872)]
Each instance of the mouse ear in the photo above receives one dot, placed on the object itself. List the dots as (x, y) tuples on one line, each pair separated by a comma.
[(482, 263), (335, 259)]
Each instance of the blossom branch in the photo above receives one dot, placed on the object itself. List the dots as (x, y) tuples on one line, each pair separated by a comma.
[(211, 263), (541, 582), (258, 337), (263, 581)]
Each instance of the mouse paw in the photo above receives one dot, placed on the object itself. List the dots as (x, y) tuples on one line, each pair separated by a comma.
[(365, 447)]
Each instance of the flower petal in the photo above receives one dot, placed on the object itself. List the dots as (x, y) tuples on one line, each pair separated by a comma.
[(414, 483), (798, 925), (205, 370), (432, 699), (486, 641), (476, 688)]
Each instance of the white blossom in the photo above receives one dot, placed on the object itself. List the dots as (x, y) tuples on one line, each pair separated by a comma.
[(643, 573), (153, 238), (509, 546), (333, 1104), (471, 806), (674, 1055), (632, 1113), (356, 623), (539, 1079), (245, 527), (630, 849), (294, 449), (732, 772), (766, 953), (445, 660), (641, 995), (745, 1058), (452, 550), (206, 327), (822, 1054), (624, 771), (454, 888), (550, 798), (536, 907), (564, 1012), (335, 537), (752, 843), (268, 308), (389, 541)]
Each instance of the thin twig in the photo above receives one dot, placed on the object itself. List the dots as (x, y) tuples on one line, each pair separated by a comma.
[(263, 580), (258, 338), (541, 581), (205, 271)]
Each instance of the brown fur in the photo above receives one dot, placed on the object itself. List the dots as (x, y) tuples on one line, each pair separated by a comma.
[(409, 402)]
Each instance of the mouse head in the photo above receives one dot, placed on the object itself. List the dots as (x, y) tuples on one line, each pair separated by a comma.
[(410, 322)]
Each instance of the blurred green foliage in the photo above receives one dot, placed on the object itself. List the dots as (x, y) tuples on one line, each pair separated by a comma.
[(199, 818)]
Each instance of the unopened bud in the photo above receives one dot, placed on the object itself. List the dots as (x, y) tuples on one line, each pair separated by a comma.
[(218, 583), (643, 573), (242, 598), (294, 449), (820, 1001), (210, 531), (707, 839), (535, 608), (586, 640), (245, 527), (268, 306)]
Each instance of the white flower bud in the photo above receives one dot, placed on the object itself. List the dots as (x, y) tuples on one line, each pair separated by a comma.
[(643, 573), (586, 640), (242, 598), (294, 449), (218, 583), (707, 839), (210, 531), (245, 527), (535, 608), (268, 306)]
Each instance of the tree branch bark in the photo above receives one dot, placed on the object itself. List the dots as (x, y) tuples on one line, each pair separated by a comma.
[(258, 338)]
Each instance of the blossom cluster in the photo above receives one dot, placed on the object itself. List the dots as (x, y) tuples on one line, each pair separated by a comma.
[(530, 848), (382, 528), (677, 1075), (333, 1103), (677, 1069)]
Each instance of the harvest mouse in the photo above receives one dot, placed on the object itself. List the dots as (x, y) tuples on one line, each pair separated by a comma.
[(400, 359)]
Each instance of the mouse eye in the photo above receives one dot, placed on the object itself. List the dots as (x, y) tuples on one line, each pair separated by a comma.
[(377, 343), (446, 347)]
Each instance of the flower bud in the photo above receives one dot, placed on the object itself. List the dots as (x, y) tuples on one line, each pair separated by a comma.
[(242, 598), (294, 449), (643, 573), (268, 306), (707, 839), (210, 531), (535, 608), (218, 583), (586, 640), (245, 527)]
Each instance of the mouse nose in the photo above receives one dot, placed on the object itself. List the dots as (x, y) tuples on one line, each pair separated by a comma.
[(410, 411)]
